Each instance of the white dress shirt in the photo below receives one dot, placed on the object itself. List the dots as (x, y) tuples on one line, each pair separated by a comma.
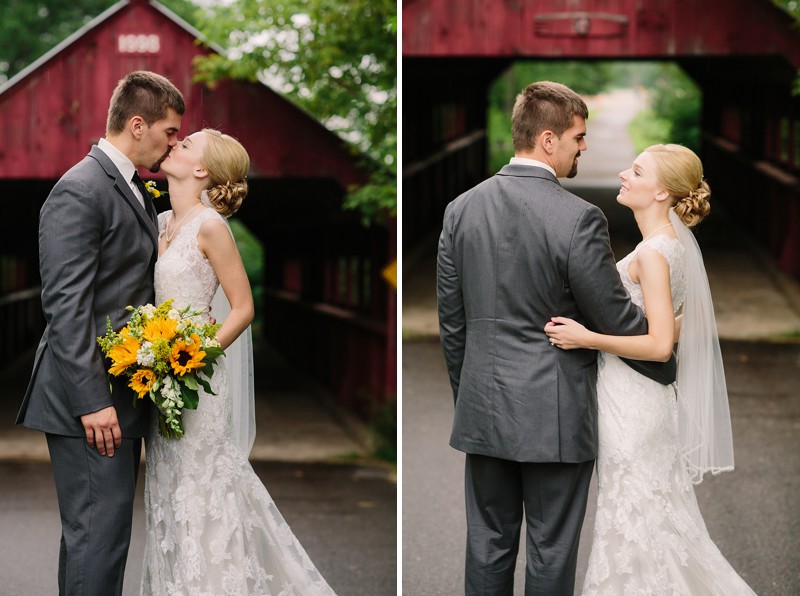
[(124, 165), (524, 161)]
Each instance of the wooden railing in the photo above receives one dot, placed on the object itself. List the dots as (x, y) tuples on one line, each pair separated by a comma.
[(21, 322), (763, 198), (343, 350), (431, 183)]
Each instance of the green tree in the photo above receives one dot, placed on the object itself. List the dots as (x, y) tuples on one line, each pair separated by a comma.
[(335, 58), (674, 112), (790, 6)]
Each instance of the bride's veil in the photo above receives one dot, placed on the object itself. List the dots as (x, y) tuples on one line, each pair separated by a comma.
[(704, 421), (238, 361)]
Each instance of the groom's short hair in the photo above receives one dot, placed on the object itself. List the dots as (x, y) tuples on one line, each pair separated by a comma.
[(544, 106), (142, 93)]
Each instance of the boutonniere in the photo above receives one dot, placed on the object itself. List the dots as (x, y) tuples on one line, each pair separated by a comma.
[(154, 193)]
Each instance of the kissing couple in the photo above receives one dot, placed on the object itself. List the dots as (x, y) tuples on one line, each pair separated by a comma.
[(211, 525)]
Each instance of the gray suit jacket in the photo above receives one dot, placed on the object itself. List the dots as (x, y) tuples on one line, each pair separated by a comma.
[(514, 251), (97, 251)]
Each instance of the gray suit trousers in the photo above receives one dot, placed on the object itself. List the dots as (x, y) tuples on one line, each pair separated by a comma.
[(554, 497), (95, 499)]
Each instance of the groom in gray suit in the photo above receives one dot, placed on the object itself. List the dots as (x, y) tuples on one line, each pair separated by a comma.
[(515, 251), (97, 248)]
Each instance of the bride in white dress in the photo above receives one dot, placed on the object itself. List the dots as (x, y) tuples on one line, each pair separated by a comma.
[(212, 527), (655, 440)]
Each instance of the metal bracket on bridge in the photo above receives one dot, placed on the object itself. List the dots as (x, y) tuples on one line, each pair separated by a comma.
[(580, 24)]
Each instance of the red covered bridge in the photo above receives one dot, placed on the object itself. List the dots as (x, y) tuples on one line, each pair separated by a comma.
[(325, 305), (743, 54)]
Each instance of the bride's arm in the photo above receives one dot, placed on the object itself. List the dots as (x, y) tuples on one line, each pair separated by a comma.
[(215, 241), (653, 274)]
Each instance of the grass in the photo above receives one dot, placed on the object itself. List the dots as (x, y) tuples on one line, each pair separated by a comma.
[(789, 336), (383, 429)]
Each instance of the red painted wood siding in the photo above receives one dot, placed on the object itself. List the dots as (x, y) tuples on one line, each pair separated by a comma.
[(612, 28)]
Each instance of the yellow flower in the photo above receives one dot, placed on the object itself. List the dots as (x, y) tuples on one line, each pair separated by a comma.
[(142, 381), (160, 329), (150, 185), (187, 356), (124, 354)]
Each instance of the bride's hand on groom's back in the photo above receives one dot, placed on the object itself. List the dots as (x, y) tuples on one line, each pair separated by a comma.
[(567, 334)]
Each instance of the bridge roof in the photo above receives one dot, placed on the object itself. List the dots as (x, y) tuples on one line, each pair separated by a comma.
[(55, 109)]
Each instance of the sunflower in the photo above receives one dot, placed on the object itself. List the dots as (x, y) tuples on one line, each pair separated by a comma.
[(187, 356), (142, 381), (160, 328), (124, 354)]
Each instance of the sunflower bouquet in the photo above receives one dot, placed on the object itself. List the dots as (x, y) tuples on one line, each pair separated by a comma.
[(164, 351)]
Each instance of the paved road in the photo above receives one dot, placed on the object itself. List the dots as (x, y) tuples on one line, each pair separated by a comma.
[(753, 514), (344, 515)]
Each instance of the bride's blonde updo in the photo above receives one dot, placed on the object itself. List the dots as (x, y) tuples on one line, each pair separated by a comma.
[(680, 173), (227, 163)]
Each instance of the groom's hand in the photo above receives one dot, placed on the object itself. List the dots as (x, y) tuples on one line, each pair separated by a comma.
[(102, 430)]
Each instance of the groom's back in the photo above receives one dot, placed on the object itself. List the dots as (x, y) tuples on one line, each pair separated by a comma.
[(519, 398), (512, 245)]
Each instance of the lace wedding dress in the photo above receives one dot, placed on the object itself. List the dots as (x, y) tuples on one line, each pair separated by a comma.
[(649, 536), (212, 527)]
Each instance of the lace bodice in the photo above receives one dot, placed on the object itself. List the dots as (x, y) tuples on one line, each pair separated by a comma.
[(182, 271), (673, 253)]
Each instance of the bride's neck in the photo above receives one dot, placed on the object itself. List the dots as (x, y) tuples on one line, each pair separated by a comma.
[(650, 221), (183, 199)]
